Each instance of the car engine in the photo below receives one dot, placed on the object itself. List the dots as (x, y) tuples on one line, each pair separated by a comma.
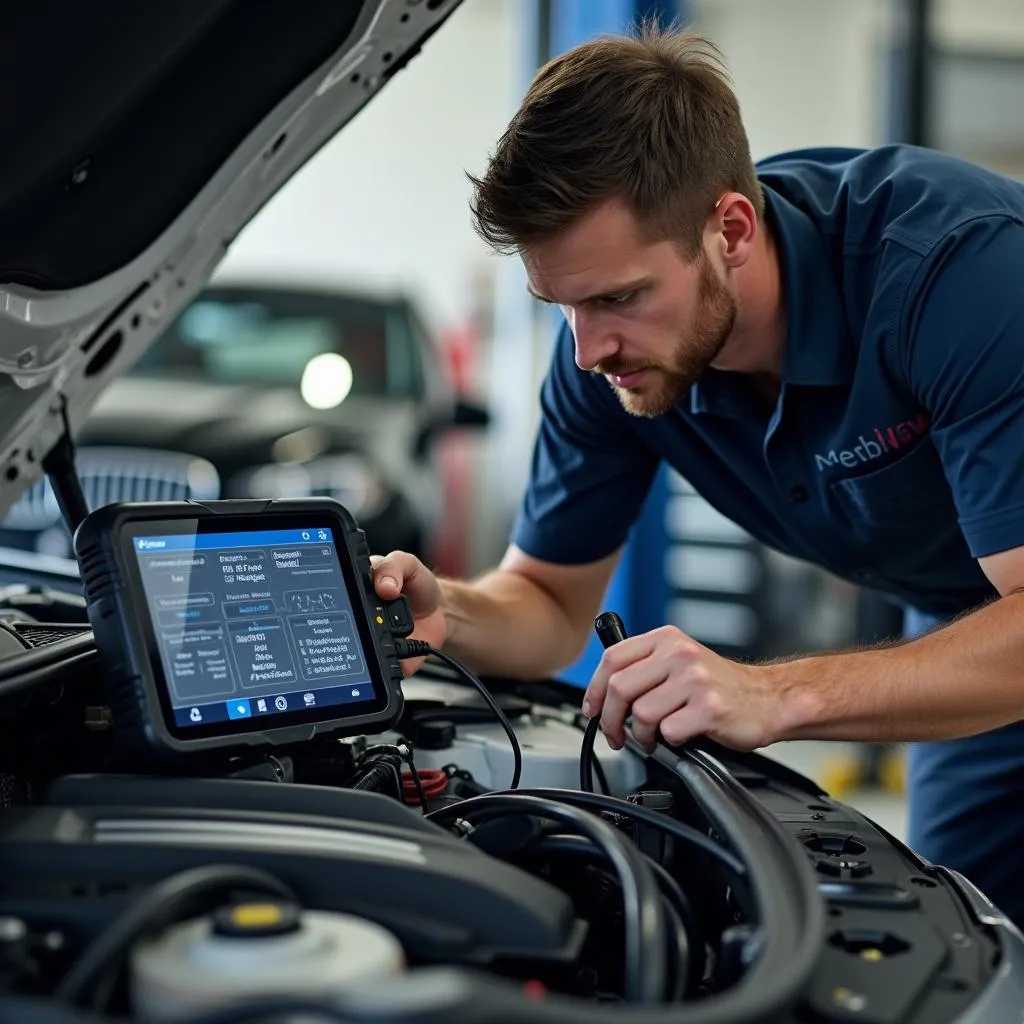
[(396, 877)]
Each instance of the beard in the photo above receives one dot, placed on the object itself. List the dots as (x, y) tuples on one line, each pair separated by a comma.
[(664, 386)]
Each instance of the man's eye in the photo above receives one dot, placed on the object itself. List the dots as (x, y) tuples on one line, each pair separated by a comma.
[(620, 300)]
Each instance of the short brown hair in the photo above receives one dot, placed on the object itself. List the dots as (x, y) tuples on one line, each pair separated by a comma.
[(650, 118)]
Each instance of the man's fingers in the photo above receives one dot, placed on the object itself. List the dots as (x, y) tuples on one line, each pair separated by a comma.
[(391, 573), (624, 687), (387, 585), (681, 726), (613, 660), (651, 708)]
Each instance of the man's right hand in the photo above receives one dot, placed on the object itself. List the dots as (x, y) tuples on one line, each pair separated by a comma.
[(402, 573), (523, 620)]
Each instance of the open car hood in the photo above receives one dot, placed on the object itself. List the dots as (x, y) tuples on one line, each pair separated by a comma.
[(141, 139)]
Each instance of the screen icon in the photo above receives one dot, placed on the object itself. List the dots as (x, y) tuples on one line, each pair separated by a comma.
[(305, 535), (355, 693), (196, 715), (322, 534), (261, 705), (309, 698), (238, 708), (281, 703)]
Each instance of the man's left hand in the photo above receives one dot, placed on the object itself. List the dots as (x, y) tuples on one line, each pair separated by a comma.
[(671, 684)]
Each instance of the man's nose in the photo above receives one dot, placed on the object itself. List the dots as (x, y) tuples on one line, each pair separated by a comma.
[(593, 345)]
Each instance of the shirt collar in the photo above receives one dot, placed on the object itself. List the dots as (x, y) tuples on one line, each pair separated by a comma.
[(818, 350)]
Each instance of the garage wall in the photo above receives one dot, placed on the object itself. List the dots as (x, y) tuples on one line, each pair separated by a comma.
[(816, 72), (807, 72), (979, 81), (980, 24)]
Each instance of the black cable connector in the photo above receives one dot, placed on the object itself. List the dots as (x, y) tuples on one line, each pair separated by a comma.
[(420, 649), (610, 630), (421, 793), (413, 649), (404, 752)]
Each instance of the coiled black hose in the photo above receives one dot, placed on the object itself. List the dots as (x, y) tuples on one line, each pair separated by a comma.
[(686, 833), (685, 943), (646, 927)]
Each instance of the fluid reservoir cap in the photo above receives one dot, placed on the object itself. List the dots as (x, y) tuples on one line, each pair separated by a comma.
[(434, 735), (257, 920)]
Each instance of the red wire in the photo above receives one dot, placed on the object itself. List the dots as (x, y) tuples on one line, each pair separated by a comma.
[(434, 782)]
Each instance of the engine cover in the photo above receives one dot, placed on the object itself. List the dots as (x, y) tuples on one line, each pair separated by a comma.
[(97, 841)]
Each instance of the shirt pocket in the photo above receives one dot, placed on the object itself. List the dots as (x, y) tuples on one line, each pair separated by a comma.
[(910, 493)]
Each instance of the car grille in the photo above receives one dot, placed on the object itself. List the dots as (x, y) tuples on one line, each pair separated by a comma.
[(120, 474), (43, 634)]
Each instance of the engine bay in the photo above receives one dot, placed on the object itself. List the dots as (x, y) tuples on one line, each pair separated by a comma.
[(443, 848), (707, 886)]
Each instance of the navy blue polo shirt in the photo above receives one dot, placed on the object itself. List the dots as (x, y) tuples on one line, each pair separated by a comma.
[(895, 453)]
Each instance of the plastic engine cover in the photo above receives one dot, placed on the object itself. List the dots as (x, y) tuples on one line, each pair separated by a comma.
[(349, 852)]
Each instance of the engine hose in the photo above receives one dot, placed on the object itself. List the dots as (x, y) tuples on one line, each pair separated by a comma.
[(646, 926), (686, 833), (686, 944)]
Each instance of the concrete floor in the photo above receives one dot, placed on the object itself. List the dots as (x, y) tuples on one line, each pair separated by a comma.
[(815, 759)]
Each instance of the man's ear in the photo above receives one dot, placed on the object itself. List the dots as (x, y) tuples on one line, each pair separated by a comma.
[(734, 227)]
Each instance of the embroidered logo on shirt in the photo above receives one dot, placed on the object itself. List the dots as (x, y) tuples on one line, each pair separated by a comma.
[(881, 441)]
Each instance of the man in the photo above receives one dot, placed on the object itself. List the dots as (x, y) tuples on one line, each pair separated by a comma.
[(830, 348)]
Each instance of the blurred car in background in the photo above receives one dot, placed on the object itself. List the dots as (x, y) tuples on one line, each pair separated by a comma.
[(269, 390)]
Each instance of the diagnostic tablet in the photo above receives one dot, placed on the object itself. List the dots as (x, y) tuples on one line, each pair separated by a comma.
[(239, 624)]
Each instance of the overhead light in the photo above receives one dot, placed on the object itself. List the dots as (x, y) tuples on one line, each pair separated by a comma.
[(326, 381)]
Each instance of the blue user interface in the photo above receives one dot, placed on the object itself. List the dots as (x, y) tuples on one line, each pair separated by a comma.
[(252, 624)]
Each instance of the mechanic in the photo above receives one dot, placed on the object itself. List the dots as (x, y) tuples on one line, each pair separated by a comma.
[(829, 346)]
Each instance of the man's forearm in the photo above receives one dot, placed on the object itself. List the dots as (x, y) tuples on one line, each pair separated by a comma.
[(506, 625), (962, 679)]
